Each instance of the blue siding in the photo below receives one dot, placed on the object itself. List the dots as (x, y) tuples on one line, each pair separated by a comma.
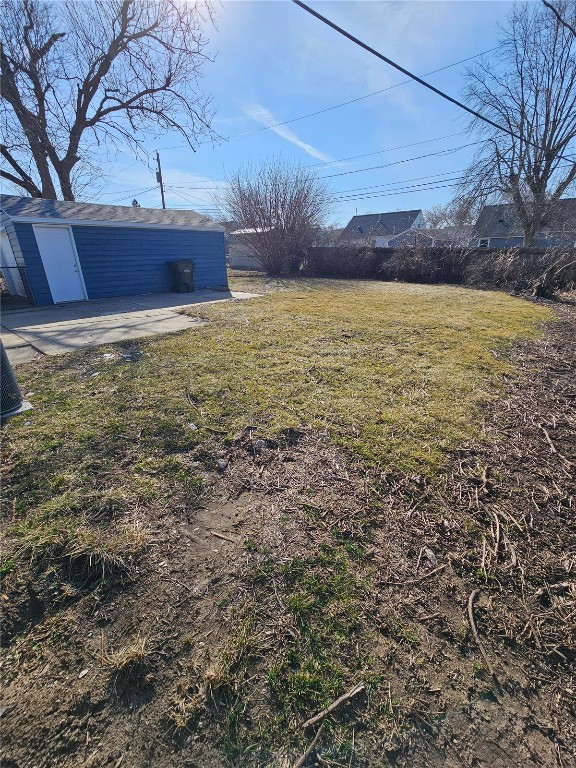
[(123, 261), (120, 261), (34, 267)]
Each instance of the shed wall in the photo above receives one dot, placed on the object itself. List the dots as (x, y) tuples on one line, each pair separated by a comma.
[(120, 261), (33, 267), (123, 261)]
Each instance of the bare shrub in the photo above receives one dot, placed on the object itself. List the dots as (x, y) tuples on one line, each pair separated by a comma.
[(426, 264), (543, 273), (280, 207), (342, 261)]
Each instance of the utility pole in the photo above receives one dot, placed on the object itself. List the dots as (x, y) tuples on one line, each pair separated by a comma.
[(159, 179)]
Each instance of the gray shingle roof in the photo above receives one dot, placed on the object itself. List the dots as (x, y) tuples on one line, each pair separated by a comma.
[(502, 220), (379, 224), (37, 208)]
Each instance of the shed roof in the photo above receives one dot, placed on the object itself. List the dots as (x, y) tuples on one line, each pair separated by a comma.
[(502, 220), (54, 210), (379, 224)]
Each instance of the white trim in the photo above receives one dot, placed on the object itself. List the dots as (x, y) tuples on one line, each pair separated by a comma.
[(103, 223), (76, 257)]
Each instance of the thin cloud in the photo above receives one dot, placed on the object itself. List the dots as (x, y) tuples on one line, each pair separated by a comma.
[(264, 116)]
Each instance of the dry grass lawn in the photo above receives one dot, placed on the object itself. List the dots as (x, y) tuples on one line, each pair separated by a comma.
[(126, 442)]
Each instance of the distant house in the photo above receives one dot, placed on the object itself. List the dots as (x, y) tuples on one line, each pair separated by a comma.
[(498, 226), (57, 251), (446, 237), (327, 236), (380, 229), (240, 255)]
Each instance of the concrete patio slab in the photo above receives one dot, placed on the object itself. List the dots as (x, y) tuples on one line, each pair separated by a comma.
[(21, 355), (11, 340), (70, 335), (67, 327)]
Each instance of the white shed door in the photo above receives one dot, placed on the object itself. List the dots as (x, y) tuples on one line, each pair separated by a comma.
[(58, 252)]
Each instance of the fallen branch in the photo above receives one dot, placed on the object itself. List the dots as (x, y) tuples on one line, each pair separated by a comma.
[(548, 439), (222, 536), (335, 704), (473, 595), (308, 752), (553, 447)]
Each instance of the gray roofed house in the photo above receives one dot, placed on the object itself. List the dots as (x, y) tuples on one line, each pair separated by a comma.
[(379, 228), (498, 226)]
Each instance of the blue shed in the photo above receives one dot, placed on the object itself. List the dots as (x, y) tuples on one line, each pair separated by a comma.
[(56, 251)]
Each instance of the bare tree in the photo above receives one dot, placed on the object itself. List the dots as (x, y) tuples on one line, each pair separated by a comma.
[(280, 206), (565, 12), (530, 90), (79, 75)]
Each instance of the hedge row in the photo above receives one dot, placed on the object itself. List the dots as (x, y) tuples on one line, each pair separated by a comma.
[(542, 272)]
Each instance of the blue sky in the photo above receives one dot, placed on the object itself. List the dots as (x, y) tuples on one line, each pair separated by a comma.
[(274, 62)]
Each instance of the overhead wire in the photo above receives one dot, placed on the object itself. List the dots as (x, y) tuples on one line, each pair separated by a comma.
[(140, 192), (406, 160), (358, 98), (335, 162), (396, 183), (390, 149), (414, 77), (343, 103), (431, 186)]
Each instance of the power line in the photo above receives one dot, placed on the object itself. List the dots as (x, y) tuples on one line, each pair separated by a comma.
[(429, 184), (344, 103), (404, 191), (390, 149), (205, 208), (346, 159), (141, 192), (414, 77), (406, 160), (359, 98), (407, 192), (396, 183)]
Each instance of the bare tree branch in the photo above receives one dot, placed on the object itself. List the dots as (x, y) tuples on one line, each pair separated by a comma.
[(560, 18), (531, 90), (75, 75)]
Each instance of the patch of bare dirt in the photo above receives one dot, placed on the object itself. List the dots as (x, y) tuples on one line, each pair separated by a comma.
[(468, 604)]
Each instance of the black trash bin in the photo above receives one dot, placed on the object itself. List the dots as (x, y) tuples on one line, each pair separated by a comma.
[(182, 272), (11, 399)]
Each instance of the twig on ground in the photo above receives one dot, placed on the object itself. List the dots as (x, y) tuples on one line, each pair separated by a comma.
[(335, 704), (496, 533), (222, 536), (473, 595), (216, 431), (302, 760), (548, 439)]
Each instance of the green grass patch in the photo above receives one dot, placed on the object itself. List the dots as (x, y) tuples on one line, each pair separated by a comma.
[(323, 596)]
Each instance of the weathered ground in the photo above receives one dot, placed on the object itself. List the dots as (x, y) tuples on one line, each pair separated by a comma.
[(246, 596)]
